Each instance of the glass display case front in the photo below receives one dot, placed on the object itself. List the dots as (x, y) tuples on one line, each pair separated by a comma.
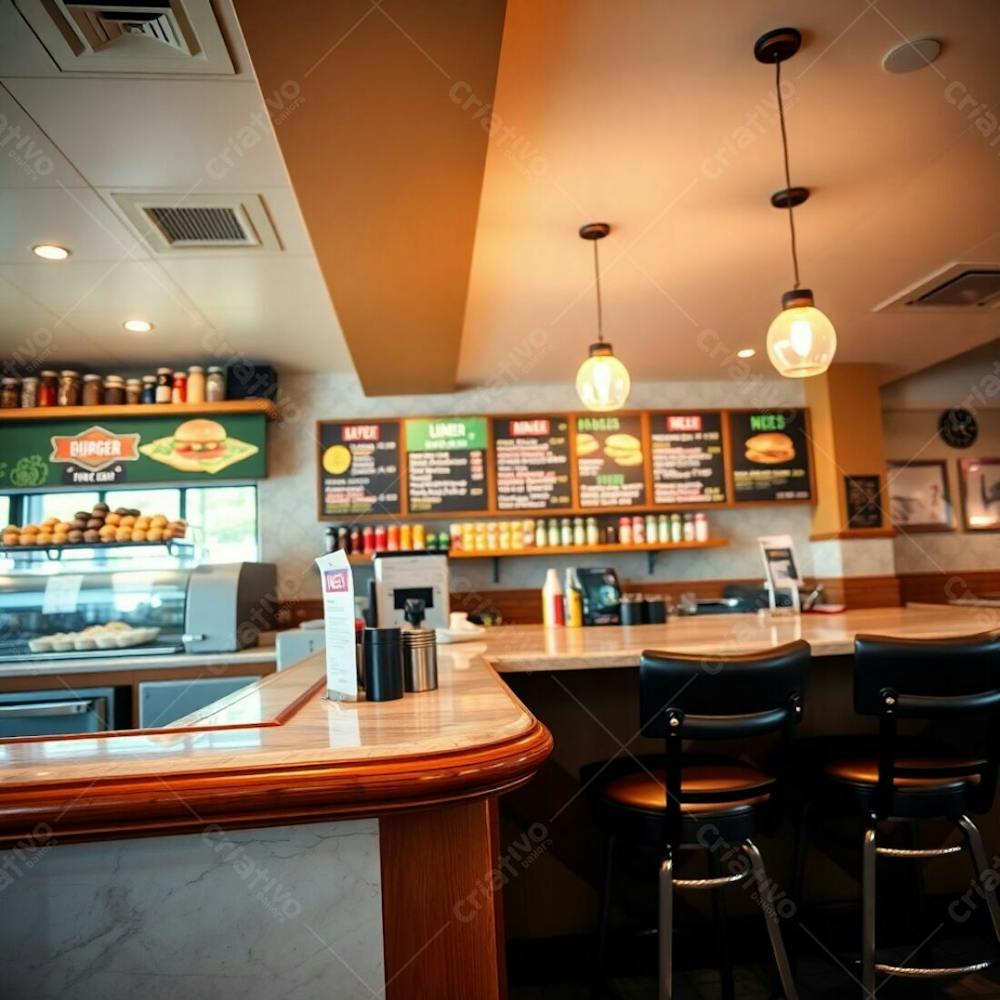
[(73, 613)]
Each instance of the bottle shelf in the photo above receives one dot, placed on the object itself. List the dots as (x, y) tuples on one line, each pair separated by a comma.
[(181, 410), (651, 549)]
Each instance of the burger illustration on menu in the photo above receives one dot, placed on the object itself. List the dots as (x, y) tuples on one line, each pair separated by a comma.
[(199, 445), (770, 448)]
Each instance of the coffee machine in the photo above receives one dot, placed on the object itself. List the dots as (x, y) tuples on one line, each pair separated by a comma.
[(403, 576)]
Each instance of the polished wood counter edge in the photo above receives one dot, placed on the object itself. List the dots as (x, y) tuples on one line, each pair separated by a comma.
[(325, 760), (533, 648)]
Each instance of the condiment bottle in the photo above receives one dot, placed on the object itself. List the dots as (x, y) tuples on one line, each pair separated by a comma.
[(93, 390), (10, 394), (552, 532), (579, 534), (700, 528), (164, 385), (178, 388), (593, 532), (553, 612), (638, 530), (405, 537), (133, 391), (625, 530), (368, 538), (392, 538), (688, 528), (29, 391), (419, 537), (148, 389), (651, 532), (573, 600), (69, 388), (676, 529), (196, 384), (215, 385), (540, 536), (48, 389)]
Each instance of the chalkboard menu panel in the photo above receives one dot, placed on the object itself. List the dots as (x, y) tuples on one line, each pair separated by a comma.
[(359, 468), (686, 456), (609, 461), (446, 465), (770, 455), (531, 463)]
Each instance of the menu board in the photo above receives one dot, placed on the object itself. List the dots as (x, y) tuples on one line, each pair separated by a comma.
[(531, 463), (359, 468), (610, 465), (686, 458), (446, 465), (770, 455)]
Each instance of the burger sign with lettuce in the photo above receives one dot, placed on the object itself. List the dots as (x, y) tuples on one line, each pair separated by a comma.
[(199, 445)]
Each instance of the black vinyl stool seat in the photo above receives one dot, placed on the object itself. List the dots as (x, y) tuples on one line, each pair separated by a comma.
[(895, 777), (712, 802)]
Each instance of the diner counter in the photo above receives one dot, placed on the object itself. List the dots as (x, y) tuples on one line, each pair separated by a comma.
[(279, 751)]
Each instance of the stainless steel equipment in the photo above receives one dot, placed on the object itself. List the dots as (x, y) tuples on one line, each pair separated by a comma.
[(202, 609), (420, 659)]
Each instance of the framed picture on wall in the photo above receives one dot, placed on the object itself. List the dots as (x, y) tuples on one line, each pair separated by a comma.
[(919, 499), (980, 478)]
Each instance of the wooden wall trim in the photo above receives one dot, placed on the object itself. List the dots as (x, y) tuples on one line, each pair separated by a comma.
[(441, 934), (250, 797), (940, 588)]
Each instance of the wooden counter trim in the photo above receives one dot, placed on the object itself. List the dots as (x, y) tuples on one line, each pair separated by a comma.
[(185, 803)]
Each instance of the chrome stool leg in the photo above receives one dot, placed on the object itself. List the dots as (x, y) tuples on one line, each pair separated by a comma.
[(666, 930), (868, 912), (604, 906), (759, 875), (982, 865)]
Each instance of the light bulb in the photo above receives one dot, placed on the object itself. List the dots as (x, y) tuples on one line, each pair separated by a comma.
[(603, 382), (801, 341)]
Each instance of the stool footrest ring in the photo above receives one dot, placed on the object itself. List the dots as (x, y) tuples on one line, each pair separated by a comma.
[(908, 972), (919, 852), (711, 883)]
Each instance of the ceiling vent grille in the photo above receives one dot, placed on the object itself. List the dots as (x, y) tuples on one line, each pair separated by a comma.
[(959, 287), (130, 36), (172, 223)]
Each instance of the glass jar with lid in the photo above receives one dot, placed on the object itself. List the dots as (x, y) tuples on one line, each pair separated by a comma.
[(10, 393), (69, 388), (48, 388), (148, 388), (93, 390), (114, 390), (133, 391), (29, 391), (215, 385)]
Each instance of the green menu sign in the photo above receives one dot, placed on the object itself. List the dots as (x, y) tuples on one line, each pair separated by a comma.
[(41, 453), (446, 465)]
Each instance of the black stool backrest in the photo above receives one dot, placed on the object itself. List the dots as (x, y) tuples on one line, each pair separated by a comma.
[(703, 697), (928, 679), (722, 697)]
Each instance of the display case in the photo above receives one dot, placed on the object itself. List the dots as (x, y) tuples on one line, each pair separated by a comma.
[(57, 611)]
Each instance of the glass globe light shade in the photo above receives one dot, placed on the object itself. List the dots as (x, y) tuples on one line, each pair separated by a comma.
[(603, 382), (801, 341)]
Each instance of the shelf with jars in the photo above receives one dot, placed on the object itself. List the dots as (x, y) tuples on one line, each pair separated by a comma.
[(543, 536), (105, 411)]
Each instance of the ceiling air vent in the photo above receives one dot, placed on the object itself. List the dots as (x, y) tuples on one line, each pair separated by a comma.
[(173, 223), (129, 36), (958, 287)]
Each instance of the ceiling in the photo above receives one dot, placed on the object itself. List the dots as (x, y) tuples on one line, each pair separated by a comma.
[(645, 115), (84, 138)]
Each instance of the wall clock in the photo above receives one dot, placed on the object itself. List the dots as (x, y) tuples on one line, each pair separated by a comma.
[(957, 427)]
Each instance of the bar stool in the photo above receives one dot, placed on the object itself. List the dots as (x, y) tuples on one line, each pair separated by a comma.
[(900, 778), (710, 802)]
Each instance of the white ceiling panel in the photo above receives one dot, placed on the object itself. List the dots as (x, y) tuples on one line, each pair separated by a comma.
[(28, 157), (76, 218), (119, 290), (268, 285), (297, 341), (177, 135), (21, 53)]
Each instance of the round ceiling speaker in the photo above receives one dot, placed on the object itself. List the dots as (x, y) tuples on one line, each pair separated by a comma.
[(911, 55)]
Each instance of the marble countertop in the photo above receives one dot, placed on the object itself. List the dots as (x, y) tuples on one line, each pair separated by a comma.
[(280, 749)]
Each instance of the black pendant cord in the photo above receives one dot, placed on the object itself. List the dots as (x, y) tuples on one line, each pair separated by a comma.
[(597, 285), (788, 177)]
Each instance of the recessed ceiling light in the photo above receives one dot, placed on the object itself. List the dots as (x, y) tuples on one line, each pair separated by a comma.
[(50, 251), (137, 325), (747, 352), (912, 55)]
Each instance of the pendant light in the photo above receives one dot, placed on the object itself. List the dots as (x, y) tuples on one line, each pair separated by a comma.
[(801, 341), (602, 382)]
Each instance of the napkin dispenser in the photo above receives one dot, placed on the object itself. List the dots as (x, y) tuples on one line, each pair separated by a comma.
[(404, 576)]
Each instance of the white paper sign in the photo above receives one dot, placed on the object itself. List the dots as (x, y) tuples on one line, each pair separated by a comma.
[(338, 617), (778, 553), (61, 594)]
